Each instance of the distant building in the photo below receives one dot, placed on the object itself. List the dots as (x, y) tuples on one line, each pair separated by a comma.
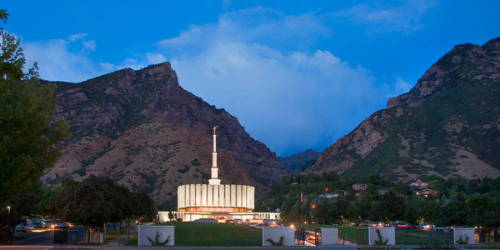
[(427, 193), (383, 191), (419, 184), (360, 186), (329, 195)]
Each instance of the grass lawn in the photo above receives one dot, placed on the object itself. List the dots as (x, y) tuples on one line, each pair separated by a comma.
[(359, 235), (206, 234), (423, 238)]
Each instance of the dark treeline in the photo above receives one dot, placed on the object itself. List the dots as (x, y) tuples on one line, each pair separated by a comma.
[(329, 199), (91, 203)]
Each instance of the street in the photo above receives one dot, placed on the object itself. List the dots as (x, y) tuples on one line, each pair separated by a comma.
[(34, 238)]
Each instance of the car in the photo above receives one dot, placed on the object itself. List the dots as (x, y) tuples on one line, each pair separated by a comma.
[(20, 227), (442, 229), (206, 220), (29, 227), (367, 224), (58, 225), (46, 223)]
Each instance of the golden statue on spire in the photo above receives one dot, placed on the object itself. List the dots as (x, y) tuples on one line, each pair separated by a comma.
[(215, 128)]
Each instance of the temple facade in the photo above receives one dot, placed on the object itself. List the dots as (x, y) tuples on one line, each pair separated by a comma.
[(223, 202)]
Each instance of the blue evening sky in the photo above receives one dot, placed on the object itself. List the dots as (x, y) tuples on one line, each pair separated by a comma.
[(297, 74)]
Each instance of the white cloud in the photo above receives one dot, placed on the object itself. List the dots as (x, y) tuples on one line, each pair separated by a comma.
[(89, 44), (75, 37), (69, 60), (288, 100), (403, 18), (258, 65), (402, 86), (256, 25), (57, 62), (154, 58)]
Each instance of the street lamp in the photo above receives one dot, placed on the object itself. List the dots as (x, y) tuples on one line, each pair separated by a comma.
[(8, 210)]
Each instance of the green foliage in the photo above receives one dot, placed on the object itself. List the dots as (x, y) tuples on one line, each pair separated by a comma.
[(97, 200), (157, 241), (4, 15), (460, 201), (29, 132), (281, 242), (142, 207)]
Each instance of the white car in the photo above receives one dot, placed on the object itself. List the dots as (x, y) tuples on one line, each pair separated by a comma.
[(20, 228), (24, 227)]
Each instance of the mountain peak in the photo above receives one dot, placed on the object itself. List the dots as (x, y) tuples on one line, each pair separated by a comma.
[(143, 130), (448, 124), (480, 59), (164, 68)]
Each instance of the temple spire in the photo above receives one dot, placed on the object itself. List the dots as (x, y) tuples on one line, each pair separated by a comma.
[(214, 180)]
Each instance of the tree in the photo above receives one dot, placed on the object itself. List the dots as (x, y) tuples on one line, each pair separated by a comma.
[(47, 205), (455, 212), (143, 208), (426, 209), (391, 206), (484, 211), (29, 132), (93, 202), (170, 215)]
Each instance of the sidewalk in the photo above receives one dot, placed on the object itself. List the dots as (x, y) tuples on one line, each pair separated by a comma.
[(90, 247)]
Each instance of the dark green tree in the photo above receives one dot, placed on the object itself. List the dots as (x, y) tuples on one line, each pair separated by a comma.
[(47, 205), (93, 202), (484, 211), (392, 206), (143, 208), (29, 132), (455, 212)]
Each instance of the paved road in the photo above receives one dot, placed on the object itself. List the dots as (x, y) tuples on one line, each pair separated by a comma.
[(82, 247), (38, 238)]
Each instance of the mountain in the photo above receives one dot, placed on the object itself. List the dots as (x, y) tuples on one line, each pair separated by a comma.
[(143, 130), (448, 124), (300, 161)]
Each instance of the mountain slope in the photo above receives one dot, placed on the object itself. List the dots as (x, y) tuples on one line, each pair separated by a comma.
[(143, 130), (300, 161), (448, 124)]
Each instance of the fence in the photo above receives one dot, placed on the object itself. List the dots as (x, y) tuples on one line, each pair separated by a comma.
[(359, 236), (353, 235), (69, 236), (488, 236), (423, 238)]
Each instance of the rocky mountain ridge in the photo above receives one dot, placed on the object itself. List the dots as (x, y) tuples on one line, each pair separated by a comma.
[(448, 124), (300, 161), (140, 128)]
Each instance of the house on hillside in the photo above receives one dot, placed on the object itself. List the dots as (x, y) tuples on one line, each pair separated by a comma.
[(427, 193), (359, 186), (383, 191), (333, 195), (419, 184), (329, 195)]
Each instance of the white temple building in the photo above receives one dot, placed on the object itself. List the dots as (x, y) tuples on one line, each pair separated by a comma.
[(218, 201)]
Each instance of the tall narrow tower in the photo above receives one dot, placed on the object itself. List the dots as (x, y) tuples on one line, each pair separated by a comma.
[(214, 170)]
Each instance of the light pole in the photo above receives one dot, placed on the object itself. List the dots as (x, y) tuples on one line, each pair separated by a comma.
[(8, 210)]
